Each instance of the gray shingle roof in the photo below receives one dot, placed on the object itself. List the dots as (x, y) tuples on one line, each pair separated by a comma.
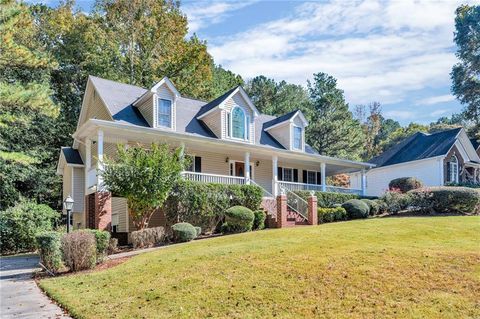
[(280, 119), (418, 146), (72, 156), (119, 98)]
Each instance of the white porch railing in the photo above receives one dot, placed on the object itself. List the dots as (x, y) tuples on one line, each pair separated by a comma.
[(92, 177), (292, 186), (213, 178)]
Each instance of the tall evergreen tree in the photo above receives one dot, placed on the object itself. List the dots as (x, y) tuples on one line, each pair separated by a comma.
[(224, 80), (332, 131), (466, 74)]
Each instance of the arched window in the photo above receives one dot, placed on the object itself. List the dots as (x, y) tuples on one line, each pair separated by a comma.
[(238, 123), (452, 169)]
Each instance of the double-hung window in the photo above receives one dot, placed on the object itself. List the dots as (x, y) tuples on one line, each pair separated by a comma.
[(164, 116), (311, 177), (297, 138), (288, 174)]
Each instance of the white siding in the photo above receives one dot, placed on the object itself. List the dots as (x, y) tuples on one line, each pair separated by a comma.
[(214, 122), (78, 193), (146, 108), (237, 100), (428, 171), (282, 135), (119, 207)]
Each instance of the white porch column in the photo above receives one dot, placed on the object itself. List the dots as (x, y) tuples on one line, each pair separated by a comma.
[(247, 168), (323, 176), (99, 159), (274, 175), (364, 183), (88, 161)]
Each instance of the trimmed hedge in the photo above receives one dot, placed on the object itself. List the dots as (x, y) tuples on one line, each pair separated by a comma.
[(459, 200), (79, 250), (405, 184), (356, 209), (49, 247), (183, 232), (259, 219), (238, 219), (396, 201), (102, 240), (373, 207), (328, 215), (326, 199), (147, 237), (20, 224), (204, 204)]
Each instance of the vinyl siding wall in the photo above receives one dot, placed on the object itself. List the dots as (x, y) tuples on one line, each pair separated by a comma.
[(163, 92), (429, 171), (214, 121), (146, 108), (282, 135), (96, 109), (237, 100)]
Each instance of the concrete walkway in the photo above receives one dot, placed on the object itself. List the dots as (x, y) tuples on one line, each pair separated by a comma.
[(20, 296)]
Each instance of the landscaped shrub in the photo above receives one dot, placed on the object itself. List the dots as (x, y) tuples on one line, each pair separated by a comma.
[(198, 230), (461, 200), (396, 201), (79, 250), (327, 199), (382, 207), (238, 219), (464, 184), (183, 232), (372, 206), (102, 239), (331, 214), (259, 219), (112, 246), (356, 209), (49, 247), (204, 204), (147, 237), (405, 184), (20, 224)]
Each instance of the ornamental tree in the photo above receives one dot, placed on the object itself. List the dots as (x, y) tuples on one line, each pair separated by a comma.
[(145, 177)]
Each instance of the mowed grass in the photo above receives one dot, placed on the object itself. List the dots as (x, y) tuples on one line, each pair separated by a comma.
[(378, 268)]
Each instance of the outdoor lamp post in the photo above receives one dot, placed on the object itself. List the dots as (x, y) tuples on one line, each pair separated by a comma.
[(68, 205)]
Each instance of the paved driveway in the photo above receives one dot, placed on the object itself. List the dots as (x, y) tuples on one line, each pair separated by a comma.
[(19, 295)]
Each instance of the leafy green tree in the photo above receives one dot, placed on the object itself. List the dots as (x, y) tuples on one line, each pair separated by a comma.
[(466, 74), (402, 133), (28, 131), (332, 130), (371, 125), (223, 80), (144, 177)]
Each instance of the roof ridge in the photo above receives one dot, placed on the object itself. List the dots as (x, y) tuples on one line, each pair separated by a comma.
[(100, 78)]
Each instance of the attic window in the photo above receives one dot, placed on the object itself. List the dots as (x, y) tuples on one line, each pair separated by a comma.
[(164, 109), (297, 137), (238, 123)]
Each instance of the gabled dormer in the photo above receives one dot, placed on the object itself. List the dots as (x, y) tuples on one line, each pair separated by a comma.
[(231, 116), (289, 130), (158, 105)]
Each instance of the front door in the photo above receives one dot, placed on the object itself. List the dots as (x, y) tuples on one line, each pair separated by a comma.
[(239, 169)]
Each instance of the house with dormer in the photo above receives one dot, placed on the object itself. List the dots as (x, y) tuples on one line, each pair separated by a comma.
[(228, 139)]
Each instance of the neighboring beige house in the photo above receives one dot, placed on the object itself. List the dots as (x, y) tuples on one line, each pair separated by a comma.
[(230, 141), (435, 159)]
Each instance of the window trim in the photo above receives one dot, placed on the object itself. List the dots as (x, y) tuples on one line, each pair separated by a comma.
[(158, 113), (315, 174), (246, 123), (295, 127), (454, 169), (283, 174)]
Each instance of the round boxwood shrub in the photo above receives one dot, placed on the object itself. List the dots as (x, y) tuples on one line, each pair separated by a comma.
[(356, 209), (405, 184), (373, 207), (259, 219), (238, 219), (459, 200), (183, 232)]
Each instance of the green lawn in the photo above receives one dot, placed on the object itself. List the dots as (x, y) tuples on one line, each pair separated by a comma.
[(377, 268)]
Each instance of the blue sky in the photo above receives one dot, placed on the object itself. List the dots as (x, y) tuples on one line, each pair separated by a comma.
[(399, 53)]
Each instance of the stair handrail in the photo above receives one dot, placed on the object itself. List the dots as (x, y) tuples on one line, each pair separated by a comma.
[(295, 202)]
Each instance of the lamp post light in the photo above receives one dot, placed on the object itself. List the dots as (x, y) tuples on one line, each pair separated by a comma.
[(68, 205)]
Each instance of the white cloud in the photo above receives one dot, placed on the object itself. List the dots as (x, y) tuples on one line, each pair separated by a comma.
[(377, 50), (204, 13), (402, 115), (436, 99)]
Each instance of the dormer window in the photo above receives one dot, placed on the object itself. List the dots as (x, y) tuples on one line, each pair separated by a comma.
[(164, 116), (239, 124), (297, 138)]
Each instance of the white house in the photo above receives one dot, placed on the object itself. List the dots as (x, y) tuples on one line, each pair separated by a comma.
[(435, 159), (228, 138)]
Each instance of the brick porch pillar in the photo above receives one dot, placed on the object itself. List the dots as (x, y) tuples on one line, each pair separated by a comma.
[(103, 210), (312, 210), (281, 211)]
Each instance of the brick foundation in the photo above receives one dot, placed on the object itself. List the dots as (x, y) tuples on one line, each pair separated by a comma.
[(99, 211), (312, 210), (281, 211)]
